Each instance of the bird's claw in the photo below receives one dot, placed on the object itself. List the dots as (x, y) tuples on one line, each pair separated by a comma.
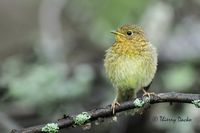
[(114, 104), (148, 93)]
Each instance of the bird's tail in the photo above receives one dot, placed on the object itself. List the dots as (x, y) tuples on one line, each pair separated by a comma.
[(127, 95)]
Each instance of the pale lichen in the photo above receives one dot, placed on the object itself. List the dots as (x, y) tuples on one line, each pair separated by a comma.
[(50, 128), (80, 119), (138, 103), (196, 103), (146, 99)]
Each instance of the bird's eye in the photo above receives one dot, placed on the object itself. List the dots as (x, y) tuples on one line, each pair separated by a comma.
[(129, 33)]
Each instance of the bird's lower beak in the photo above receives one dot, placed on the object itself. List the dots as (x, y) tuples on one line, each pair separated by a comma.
[(117, 33)]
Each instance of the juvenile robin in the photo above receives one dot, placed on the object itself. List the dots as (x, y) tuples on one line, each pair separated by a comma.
[(130, 63)]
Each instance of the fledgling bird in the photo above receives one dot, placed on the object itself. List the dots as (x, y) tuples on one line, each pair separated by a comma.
[(130, 63)]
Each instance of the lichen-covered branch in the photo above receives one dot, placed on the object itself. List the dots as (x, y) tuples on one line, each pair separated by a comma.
[(92, 115)]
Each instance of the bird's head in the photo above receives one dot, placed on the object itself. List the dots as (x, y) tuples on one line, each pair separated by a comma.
[(128, 33)]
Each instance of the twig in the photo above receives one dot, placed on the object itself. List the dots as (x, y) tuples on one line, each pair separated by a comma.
[(95, 114)]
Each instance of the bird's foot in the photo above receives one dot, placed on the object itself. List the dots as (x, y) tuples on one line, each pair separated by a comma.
[(148, 93), (114, 104)]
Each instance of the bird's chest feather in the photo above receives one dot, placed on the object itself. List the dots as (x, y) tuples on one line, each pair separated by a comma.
[(130, 71)]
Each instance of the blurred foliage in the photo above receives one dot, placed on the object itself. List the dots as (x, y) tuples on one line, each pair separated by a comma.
[(39, 84), (108, 16), (112, 15), (179, 77)]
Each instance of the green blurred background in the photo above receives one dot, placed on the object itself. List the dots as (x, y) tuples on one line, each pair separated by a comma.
[(51, 60)]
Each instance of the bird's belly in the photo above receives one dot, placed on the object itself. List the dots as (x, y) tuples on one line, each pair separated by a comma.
[(132, 72)]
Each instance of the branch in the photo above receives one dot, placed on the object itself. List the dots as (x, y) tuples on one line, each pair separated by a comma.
[(95, 114)]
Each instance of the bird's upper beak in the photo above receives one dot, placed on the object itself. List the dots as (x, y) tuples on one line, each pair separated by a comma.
[(117, 33)]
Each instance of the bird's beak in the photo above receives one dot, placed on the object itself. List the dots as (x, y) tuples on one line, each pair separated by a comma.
[(117, 33)]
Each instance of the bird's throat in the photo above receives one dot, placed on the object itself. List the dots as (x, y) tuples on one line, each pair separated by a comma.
[(130, 48)]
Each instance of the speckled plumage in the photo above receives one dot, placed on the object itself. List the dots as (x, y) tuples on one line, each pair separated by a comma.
[(131, 62)]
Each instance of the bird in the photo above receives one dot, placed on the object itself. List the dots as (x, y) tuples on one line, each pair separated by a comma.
[(130, 63)]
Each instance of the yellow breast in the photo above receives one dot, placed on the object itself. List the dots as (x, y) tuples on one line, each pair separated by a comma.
[(129, 66)]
